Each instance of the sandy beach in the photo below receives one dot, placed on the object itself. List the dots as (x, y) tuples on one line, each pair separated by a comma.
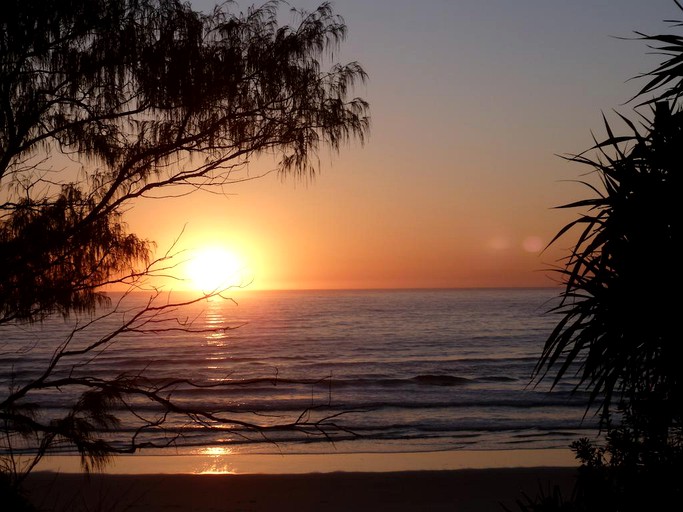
[(467, 490)]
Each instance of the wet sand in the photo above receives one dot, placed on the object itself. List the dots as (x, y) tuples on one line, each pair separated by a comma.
[(464, 490)]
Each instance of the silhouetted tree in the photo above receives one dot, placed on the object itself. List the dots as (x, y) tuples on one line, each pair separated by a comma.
[(619, 331), (103, 102), (619, 320)]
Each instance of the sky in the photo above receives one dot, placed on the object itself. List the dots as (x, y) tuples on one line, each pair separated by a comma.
[(471, 103)]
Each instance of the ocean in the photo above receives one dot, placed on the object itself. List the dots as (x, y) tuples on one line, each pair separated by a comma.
[(343, 371)]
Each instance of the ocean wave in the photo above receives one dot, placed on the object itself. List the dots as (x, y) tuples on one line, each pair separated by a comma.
[(398, 365), (440, 380)]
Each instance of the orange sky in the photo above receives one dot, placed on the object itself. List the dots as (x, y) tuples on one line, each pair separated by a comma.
[(470, 103)]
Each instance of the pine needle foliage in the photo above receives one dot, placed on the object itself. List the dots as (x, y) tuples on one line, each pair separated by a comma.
[(146, 98)]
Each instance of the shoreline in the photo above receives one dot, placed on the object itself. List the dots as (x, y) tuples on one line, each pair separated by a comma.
[(465, 490), (218, 461), (457, 480)]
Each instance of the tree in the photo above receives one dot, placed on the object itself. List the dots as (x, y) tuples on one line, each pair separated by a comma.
[(618, 331), (105, 102), (618, 316)]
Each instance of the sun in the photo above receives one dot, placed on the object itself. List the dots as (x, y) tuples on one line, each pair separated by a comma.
[(215, 268)]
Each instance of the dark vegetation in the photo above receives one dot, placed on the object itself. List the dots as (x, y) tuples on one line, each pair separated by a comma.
[(619, 330), (107, 102)]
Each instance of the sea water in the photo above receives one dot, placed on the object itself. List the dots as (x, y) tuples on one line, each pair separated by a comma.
[(348, 371)]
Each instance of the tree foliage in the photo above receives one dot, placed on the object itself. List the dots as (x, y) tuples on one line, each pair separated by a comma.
[(619, 332), (619, 321), (665, 82), (618, 326), (146, 96), (105, 102)]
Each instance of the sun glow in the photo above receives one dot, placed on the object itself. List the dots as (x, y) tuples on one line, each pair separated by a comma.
[(213, 269)]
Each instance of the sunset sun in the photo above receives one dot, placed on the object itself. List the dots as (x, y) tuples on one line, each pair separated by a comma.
[(215, 268)]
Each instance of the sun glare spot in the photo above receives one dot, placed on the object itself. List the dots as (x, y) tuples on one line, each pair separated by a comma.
[(532, 244), (499, 243)]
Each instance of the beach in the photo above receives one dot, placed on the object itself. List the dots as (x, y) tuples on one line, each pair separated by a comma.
[(466, 490), (455, 481)]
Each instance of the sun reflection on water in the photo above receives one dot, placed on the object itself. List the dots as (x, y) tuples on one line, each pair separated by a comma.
[(215, 461), (215, 319)]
